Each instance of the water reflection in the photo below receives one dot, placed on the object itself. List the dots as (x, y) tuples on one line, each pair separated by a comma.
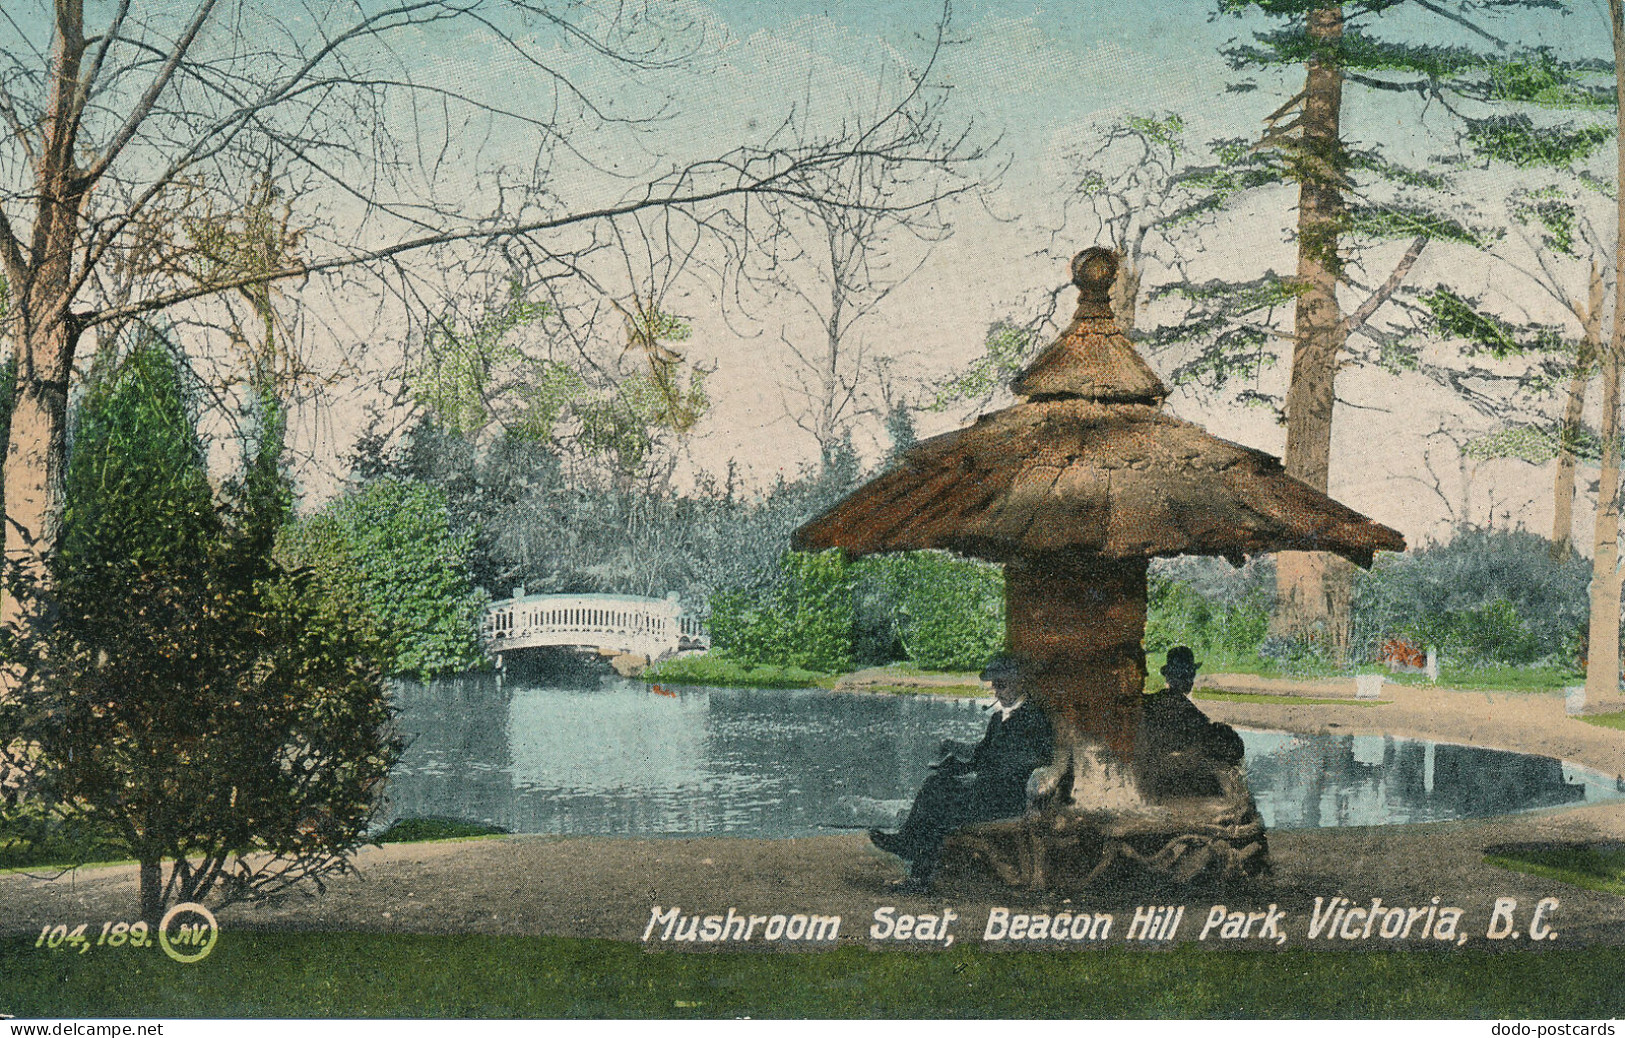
[(623, 760), (620, 759), (1313, 781)]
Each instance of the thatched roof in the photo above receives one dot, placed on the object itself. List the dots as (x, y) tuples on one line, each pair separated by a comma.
[(1077, 468)]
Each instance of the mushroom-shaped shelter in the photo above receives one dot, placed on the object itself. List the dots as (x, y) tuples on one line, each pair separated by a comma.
[(1075, 489)]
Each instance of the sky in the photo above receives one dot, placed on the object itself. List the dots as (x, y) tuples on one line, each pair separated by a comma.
[(1039, 77), (1030, 81)]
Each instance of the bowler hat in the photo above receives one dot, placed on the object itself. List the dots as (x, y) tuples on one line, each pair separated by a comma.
[(1003, 667), (1181, 661)]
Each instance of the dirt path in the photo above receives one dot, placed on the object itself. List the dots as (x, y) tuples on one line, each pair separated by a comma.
[(598, 887)]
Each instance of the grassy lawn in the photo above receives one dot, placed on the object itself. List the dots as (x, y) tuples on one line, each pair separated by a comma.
[(424, 830), (1615, 721), (1590, 867), (372, 975), (59, 851), (28, 842), (1252, 697), (716, 669), (1474, 678), (972, 690), (1498, 679)]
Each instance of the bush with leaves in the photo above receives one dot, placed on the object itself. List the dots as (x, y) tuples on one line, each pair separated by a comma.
[(188, 704), (941, 612), (387, 557), (1215, 608), (1486, 596), (802, 619)]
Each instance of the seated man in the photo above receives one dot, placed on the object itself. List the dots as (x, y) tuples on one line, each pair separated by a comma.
[(1181, 751), (974, 783)]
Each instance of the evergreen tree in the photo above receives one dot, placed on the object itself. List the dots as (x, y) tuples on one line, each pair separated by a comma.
[(189, 704), (1347, 195), (138, 491)]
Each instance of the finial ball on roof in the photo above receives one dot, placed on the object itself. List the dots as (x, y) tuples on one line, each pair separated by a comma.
[(1094, 270)]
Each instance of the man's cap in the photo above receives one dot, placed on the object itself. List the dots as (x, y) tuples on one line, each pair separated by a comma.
[(1181, 660)]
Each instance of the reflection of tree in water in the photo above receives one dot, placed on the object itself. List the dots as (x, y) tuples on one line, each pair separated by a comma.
[(456, 761), (1503, 781), (816, 760), (620, 759), (1312, 781)]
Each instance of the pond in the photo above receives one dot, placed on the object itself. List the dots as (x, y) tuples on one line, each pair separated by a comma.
[(619, 758)]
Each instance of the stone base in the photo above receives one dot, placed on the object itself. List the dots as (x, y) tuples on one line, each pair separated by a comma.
[(629, 664), (1207, 839)]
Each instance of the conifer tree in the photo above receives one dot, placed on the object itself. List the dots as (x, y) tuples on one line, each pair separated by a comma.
[(189, 704), (1347, 196)]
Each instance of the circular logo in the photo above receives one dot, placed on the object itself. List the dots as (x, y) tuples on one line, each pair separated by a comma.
[(188, 932)]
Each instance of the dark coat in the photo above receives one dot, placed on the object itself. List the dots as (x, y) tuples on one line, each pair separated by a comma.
[(988, 782), (998, 769), (1180, 750)]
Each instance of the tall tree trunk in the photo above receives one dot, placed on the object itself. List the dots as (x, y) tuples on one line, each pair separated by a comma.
[(37, 454), (1563, 483), (1125, 294), (1312, 589), (36, 459), (1573, 414), (1602, 670)]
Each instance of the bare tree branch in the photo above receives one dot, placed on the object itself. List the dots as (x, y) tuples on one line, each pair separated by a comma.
[(1355, 321)]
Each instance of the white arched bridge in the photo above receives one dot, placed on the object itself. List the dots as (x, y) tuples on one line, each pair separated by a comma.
[(610, 624)]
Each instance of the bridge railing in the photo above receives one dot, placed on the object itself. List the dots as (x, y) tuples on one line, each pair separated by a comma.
[(653, 626)]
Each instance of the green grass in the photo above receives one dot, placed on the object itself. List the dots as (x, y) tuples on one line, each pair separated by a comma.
[(423, 830), (60, 851), (372, 975), (1497, 678), (716, 669), (27, 842), (908, 669), (1253, 697), (1489, 678), (1615, 721), (1593, 868), (925, 690)]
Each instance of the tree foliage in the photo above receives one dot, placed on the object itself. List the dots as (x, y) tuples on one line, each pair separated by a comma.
[(804, 619), (387, 556), (1486, 596), (942, 612), (189, 703)]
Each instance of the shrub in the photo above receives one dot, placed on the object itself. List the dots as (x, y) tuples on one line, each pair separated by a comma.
[(1215, 608), (187, 705), (1484, 597), (387, 559), (821, 614), (803, 619), (949, 611), (1295, 656)]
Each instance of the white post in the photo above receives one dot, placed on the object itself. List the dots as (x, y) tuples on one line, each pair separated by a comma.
[(1574, 700), (1433, 665)]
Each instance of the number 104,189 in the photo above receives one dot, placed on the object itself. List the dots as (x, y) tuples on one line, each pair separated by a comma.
[(113, 935)]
